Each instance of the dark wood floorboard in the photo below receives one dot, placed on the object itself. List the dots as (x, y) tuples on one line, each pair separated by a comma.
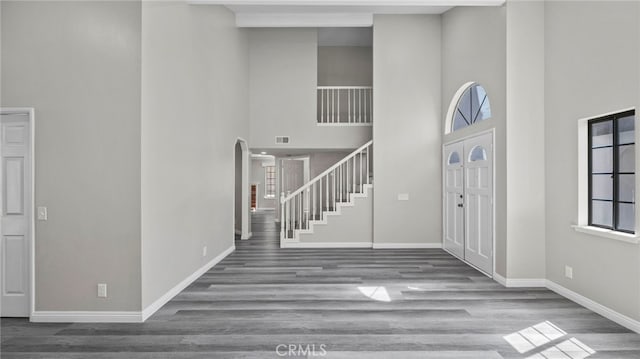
[(356, 303)]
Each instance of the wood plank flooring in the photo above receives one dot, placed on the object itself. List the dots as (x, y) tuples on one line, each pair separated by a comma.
[(348, 303)]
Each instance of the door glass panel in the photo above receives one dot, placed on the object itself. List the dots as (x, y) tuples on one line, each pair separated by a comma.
[(481, 107), (625, 219), (601, 212), (626, 127), (478, 153), (602, 160), (464, 107), (627, 158), (626, 188), (602, 187), (602, 134), (458, 121), (454, 158)]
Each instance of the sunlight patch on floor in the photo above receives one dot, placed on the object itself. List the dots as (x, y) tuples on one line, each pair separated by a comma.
[(376, 293), (533, 338)]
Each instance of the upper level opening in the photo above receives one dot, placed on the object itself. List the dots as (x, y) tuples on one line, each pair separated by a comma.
[(345, 76)]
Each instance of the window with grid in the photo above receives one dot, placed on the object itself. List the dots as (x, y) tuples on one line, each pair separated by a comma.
[(612, 172), (270, 181)]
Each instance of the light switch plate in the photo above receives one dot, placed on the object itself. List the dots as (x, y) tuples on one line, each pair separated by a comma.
[(403, 196), (102, 290), (42, 214), (568, 272)]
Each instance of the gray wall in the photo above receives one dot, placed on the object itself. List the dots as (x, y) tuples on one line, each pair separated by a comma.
[(257, 178), (282, 102), (194, 106), (87, 158), (592, 56), (320, 161), (525, 150), (345, 66), (354, 225), (474, 49), (407, 129)]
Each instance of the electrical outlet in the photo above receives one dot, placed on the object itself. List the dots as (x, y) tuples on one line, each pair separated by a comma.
[(204, 251), (403, 196), (42, 213), (568, 272), (102, 290)]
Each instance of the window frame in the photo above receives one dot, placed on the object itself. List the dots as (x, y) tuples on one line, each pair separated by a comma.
[(267, 184), (454, 105), (615, 171)]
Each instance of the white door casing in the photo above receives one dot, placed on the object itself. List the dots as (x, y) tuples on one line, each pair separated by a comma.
[(468, 201), (453, 195), (16, 220), (478, 205)]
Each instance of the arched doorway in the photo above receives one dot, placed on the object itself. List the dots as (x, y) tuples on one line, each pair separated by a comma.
[(242, 205)]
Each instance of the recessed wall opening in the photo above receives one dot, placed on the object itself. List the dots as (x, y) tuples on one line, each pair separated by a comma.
[(345, 75)]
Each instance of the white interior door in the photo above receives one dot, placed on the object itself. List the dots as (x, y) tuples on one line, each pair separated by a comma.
[(16, 214), (479, 202), (292, 175), (468, 200), (453, 199)]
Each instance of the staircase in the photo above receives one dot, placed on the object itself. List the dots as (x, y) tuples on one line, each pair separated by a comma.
[(325, 196)]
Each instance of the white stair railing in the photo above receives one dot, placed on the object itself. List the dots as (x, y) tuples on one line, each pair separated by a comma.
[(322, 194), (345, 105)]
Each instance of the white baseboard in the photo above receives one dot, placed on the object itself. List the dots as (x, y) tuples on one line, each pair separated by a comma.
[(606, 312), (520, 282), (288, 244), (85, 317), (153, 307), (500, 279), (406, 245)]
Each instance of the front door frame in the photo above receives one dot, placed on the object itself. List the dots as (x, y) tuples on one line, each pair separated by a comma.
[(493, 194), (30, 112)]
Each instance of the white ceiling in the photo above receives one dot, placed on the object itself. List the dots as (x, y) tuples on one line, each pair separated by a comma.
[(331, 13)]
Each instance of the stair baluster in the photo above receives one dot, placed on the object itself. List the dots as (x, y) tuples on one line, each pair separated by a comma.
[(334, 186)]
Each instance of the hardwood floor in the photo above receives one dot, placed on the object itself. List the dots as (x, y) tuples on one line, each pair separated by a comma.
[(344, 303)]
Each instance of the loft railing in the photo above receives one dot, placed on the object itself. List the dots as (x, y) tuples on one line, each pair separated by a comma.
[(345, 105), (335, 185)]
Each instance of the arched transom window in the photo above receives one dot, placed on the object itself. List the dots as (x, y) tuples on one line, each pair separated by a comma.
[(472, 105)]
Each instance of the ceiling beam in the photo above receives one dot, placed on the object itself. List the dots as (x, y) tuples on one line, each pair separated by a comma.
[(303, 20), (397, 3)]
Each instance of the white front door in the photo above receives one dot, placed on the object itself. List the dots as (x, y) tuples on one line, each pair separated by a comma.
[(453, 199), (468, 201), (479, 202), (16, 214)]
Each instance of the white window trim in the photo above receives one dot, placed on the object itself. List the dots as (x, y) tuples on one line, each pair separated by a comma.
[(264, 168), (583, 185)]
